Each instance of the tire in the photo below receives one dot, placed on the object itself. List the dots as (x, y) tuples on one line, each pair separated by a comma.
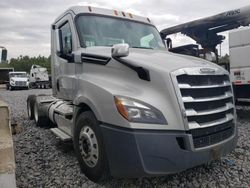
[(40, 115), (30, 106), (31, 85), (10, 88), (89, 148)]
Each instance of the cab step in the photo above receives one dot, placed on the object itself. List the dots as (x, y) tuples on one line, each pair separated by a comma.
[(61, 134)]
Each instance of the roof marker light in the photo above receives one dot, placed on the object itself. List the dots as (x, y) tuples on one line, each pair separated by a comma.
[(130, 15), (148, 20), (115, 12), (123, 14), (90, 10)]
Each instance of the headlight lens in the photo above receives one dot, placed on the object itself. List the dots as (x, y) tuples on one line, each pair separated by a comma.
[(139, 112), (12, 82)]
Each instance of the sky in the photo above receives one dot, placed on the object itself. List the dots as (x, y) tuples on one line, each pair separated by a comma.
[(25, 24)]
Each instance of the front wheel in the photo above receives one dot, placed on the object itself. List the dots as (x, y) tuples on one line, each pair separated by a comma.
[(89, 147)]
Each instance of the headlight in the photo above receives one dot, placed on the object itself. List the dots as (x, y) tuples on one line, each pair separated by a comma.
[(12, 82), (139, 112)]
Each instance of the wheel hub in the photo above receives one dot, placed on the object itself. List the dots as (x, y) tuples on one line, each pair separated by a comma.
[(29, 110), (88, 146), (36, 113)]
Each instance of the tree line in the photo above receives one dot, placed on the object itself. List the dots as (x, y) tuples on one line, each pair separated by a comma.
[(24, 63)]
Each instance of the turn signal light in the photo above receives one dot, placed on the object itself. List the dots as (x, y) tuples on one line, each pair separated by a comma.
[(120, 107)]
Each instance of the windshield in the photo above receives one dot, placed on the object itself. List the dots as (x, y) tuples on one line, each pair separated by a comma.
[(107, 31), (19, 75)]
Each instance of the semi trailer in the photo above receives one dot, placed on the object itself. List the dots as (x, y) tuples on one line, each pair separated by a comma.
[(130, 107), (239, 51), (4, 74)]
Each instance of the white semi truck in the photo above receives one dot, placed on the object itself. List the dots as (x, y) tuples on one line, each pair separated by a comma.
[(239, 51), (39, 77), (132, 108), (18, 80)]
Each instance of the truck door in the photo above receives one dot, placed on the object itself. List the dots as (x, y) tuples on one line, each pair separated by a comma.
[(64, 68)]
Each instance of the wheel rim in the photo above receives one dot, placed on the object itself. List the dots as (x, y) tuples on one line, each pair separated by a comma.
[(88, 146), (36, 113)]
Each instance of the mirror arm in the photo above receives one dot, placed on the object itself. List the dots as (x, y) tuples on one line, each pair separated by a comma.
[(70, 56)]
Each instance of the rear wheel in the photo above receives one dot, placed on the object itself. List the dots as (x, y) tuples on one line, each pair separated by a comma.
[(40, 115), (30, 106), (89, 147)]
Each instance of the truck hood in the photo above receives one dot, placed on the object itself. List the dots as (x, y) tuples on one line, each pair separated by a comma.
[(156, 59)]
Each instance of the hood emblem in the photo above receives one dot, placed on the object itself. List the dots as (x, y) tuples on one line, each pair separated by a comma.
[(207, 70)]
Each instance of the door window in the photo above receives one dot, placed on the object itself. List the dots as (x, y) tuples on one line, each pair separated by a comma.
[(66, 38)]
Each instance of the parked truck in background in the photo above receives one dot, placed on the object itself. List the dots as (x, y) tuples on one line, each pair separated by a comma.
[(132, 108), (18, 80), (39, 77), (4, 75), (239, 51)]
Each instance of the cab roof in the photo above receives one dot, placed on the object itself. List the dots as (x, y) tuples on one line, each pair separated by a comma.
[(76, 10)]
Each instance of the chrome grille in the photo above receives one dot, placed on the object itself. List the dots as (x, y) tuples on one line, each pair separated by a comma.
[(207, 102), (20, 83)]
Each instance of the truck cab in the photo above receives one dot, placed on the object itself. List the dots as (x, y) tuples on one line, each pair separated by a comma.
[(132, 108), (18, 80), (39, 77)]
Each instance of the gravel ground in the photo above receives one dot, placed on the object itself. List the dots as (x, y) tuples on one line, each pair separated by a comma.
[(43, 161)]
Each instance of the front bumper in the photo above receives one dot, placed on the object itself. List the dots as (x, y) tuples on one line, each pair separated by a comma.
[(139, 153)]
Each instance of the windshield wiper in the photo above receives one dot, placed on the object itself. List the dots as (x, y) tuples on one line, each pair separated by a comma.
[(142, 47)]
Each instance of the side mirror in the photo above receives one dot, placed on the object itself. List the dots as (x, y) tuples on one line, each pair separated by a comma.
[(120, 50), (58, 42)]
